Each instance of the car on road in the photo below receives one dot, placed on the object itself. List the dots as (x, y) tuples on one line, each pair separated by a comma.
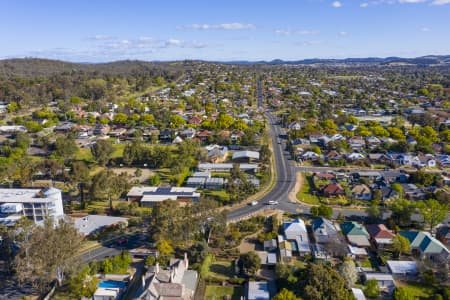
[(122, 241), (272, 202), (253, 203)]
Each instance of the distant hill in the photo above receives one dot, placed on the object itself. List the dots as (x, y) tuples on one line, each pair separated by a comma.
[(37, 67), (423, 60)]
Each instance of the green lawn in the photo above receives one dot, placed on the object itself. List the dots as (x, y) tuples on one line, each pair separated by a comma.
[(221, 269), (418, 289), (215, 292), (219, 195), (84, 154), (118, 150), (304, 195), (100, 206)]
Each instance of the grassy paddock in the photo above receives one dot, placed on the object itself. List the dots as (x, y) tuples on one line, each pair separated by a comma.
[(215, 292)]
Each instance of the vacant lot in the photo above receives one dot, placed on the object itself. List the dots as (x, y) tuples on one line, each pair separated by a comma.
[(215, 292)]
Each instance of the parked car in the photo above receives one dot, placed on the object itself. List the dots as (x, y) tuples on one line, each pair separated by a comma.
[(122, 241)]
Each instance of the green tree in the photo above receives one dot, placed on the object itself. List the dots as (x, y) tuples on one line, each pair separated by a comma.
[(177, 121), (224, 121), (348, 271), (285, 294), (373, 211), (12, 107), (432, 212), (401, 293), (372, 290), (251, 262), (23, 140), (400, 245), (83, 283), (154, 180), (402, 210), (106, 185), (65, 147), (323, 282), (322, 211), (399, 189), (102, 151), (48, 254), (120, 118)]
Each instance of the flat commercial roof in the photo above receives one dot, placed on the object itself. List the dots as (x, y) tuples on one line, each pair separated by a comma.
[(27, 195)]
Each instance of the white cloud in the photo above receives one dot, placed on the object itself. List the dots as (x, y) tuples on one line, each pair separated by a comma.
[(288, 32), (308, 43), (100, 37), (343, 33), (223, 26), (336, 4), (363, 5), (425, 29), (283, 32), (440, 2)]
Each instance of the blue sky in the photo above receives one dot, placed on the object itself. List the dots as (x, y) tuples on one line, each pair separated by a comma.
[(101, 30)]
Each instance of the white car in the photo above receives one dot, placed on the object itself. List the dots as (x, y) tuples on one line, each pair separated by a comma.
[(272, 202), (253, 203)]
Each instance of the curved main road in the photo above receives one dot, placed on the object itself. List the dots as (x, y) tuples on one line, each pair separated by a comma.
[(286, 176), (285, 180)]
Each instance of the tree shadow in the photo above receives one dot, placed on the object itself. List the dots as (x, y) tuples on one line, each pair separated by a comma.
[(221, 269)]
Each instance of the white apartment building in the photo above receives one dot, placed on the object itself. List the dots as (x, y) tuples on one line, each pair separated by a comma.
[(35, 204)]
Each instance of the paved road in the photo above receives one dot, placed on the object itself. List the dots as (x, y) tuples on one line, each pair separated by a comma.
[(112, 249), (286, 175)]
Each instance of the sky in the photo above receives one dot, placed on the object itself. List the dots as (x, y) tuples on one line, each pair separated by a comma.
[(110, 30)]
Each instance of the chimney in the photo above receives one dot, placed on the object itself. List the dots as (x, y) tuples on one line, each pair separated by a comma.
[(157, 268), (186, 261)]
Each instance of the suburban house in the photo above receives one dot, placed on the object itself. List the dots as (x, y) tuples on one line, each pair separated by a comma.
[(309, 155), (324, 231), (427, 246), (325, 176), (296, 231), (35, 204), (245, 156), (355, 156), (285, 249), (175, 282), (87, 224), (412, 192), (356, 234), (361, 192), (147, 196), (358, 294), (443, 234), (385, 282), (332, 190), (388, 193), (380, 235), (224, 168), (216, 153), (402, 267)]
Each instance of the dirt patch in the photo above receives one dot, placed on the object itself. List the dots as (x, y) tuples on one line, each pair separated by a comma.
[(298, 185), (248, 243), (146, 173)]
